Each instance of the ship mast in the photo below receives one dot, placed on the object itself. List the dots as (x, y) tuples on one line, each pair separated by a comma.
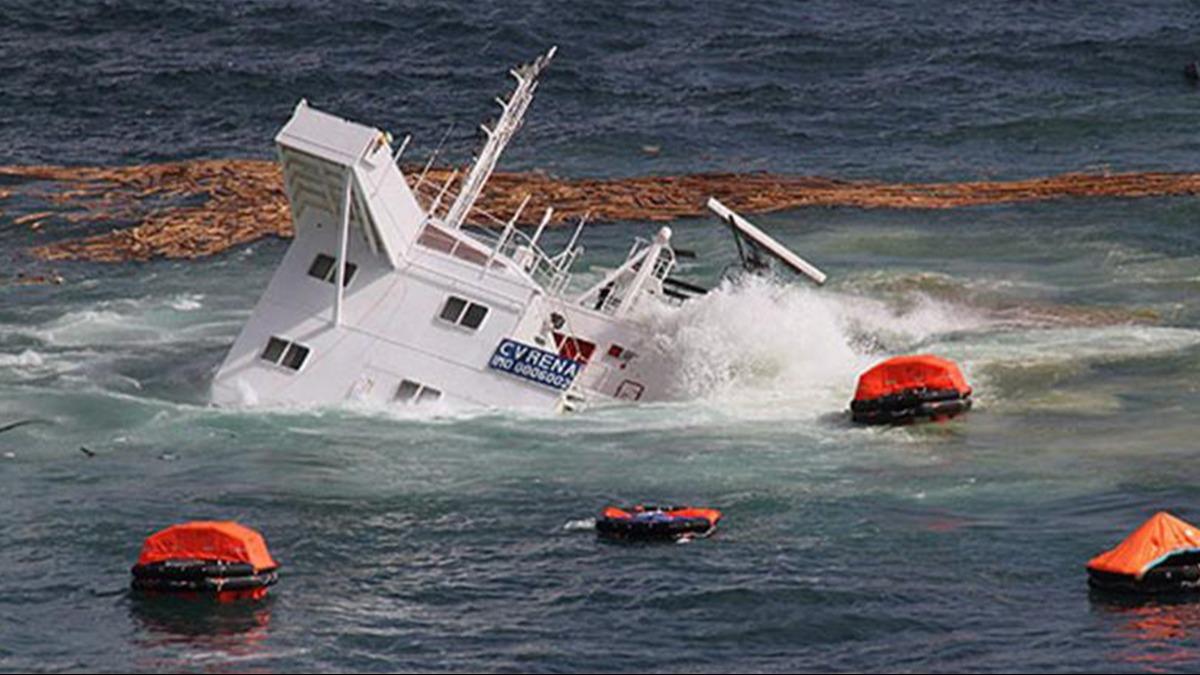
[(498, 137)]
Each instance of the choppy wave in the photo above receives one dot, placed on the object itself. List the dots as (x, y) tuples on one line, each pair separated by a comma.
[(751, 342), (436, 543), (757, 341)]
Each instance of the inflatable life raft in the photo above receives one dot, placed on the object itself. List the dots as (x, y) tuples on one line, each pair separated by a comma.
[(220, 558), (657, 522), (905, 389), (1161, 557)]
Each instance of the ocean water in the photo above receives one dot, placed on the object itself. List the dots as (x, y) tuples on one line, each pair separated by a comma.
[(450, 540)]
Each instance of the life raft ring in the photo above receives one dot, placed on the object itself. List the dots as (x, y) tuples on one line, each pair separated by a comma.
[(657, 522)]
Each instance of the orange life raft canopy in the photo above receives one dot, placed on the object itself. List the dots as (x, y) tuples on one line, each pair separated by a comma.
[(205, 556), (1161, 556), (906, 388)]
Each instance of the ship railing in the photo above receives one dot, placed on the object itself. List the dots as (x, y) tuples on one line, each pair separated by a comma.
[(611, 303), (613, 294), (500, 236), (552, 272), (664, 264)]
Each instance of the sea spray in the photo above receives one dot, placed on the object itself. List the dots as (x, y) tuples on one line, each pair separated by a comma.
[(757, 338)]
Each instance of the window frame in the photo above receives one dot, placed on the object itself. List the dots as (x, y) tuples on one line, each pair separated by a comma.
[(468, 308), (421, 393), (287, 353), (295, 350), (458, 313), (467, 313), (276, 344), (330, 276)]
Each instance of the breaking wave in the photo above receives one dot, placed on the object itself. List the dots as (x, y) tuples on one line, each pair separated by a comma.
[(746, 349), (791, 340), (754, 342)]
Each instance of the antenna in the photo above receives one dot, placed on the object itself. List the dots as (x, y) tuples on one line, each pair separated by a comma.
[(402, 148), (513, 112), (432, 157)]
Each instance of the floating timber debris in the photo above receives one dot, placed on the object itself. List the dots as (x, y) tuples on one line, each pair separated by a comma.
[(197, 208), (33, 279), (173, 210)]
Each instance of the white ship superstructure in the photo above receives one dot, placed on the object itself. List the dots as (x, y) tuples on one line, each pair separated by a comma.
[(388, 294)]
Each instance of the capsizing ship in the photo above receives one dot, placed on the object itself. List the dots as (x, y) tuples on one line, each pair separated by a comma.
[(404, 293)]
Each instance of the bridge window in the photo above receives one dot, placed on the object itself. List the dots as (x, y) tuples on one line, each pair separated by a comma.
[(439, 240), (462, 312), (474, 316), (453, 309)]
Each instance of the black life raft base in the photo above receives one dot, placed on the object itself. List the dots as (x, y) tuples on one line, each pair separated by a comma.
[(1177, 575), (910, 405), (649, 522), (201, 576)]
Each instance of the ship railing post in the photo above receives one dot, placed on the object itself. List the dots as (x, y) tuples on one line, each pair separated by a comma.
[(344, 237), (565, 254), (506, 234), (432, 157), (437, 202), (649, 261), (541, 226), (343, 245)]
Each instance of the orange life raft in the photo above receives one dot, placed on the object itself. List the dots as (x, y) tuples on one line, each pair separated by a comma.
[(657, 522), (1160, 557), (909, 388), (210, 557)]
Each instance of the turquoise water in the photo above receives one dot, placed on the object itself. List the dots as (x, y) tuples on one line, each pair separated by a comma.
[(454, 540)]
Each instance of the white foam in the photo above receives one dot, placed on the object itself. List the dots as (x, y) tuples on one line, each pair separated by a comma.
[(186, 302), (581, 525), (26, 359), (761, 350), (102, 326), (762, 340)]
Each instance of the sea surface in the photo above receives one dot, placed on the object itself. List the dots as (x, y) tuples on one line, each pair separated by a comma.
[(457, 540)]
